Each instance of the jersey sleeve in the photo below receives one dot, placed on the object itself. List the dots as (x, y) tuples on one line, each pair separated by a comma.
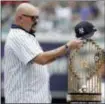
[(26, 48)]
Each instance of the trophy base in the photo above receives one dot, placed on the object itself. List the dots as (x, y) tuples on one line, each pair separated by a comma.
[(84, 98)]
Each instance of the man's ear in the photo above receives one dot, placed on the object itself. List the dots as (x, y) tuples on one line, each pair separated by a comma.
[(20, 17)]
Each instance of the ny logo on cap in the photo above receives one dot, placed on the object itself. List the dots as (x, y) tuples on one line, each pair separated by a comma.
[(81, 30)]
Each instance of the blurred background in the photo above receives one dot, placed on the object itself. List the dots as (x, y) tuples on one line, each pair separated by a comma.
[(55, 28)]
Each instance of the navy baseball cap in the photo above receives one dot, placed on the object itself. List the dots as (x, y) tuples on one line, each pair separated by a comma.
[(84, 29)]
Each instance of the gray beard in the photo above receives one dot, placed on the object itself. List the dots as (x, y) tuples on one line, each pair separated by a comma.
[(32, 31)]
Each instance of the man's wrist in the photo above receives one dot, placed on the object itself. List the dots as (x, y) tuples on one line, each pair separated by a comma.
[(67, 49)]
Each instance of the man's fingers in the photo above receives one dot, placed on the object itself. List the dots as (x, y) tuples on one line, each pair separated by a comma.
[(79, 44), (75, 44)]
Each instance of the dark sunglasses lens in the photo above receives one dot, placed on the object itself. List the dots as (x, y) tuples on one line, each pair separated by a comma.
[(34, 18)]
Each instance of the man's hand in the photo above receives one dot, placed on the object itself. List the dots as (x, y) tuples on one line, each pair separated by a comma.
[(75, 44)]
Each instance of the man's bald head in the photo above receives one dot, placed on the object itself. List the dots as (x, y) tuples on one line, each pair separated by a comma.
[(27, 9), (27, 17)]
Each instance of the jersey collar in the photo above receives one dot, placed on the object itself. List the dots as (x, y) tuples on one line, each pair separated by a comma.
[(18, 27)]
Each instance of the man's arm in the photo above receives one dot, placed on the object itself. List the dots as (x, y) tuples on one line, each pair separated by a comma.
[(49, 56)]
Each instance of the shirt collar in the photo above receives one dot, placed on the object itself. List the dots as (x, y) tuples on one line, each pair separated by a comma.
[(18, 27)]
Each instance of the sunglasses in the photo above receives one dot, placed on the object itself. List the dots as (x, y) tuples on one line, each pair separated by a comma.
[(33, 18)]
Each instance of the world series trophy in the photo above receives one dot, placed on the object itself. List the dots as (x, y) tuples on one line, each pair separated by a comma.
[(84, 80)]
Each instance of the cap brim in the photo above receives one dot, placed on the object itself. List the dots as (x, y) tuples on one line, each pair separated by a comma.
[(94, 30)]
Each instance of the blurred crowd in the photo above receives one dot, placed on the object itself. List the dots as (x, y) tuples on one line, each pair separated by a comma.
[(59, 16)]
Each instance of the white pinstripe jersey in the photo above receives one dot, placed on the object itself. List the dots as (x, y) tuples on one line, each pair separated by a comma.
[(24, 82)]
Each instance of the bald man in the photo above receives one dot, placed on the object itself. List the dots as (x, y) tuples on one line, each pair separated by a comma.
[(26, 73)]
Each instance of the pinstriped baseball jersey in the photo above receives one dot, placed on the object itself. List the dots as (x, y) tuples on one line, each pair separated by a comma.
[(24, 82)]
